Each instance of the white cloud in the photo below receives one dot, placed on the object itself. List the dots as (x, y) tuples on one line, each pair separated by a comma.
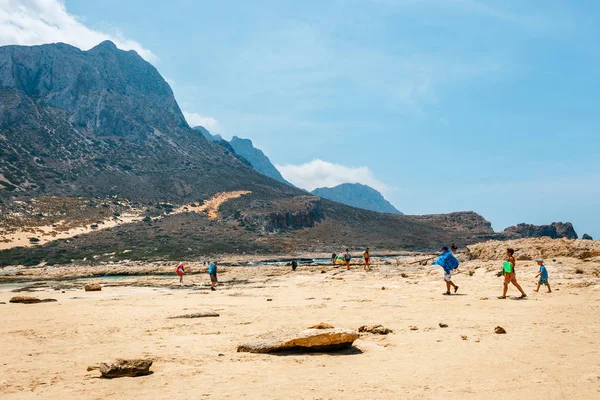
[(319, 173), (32, 22), (209, 123)]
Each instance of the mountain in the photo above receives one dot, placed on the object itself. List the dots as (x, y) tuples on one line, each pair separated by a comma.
[(357, 195), (257, 158), (104, 122), (244, 148), (555, 230), (87, 136)]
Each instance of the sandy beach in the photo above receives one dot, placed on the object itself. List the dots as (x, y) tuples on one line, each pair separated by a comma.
[(551, 348)]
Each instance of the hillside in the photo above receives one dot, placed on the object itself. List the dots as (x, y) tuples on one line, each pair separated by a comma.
[(357, 195)]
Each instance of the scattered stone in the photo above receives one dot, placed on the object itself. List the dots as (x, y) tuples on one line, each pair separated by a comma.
[(463, 337), (119, 368), (92, 287), (376, 329), (269, 299), (29, 300), (484, 298), (323, 271), (197, 315), (2, 302), (477, 340), (322, 325), (414, 328), (383, 288), (442, 325), (309, 340), (586, 237), (221, 355), (499, 330)]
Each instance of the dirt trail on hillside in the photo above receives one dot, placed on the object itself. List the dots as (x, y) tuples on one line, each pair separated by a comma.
[(211, 206)]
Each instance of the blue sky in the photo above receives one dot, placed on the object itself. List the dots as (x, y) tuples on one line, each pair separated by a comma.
[(444, 105)]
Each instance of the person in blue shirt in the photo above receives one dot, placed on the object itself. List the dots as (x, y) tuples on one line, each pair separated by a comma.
[(543, 274), (212, 271), (449, 263)]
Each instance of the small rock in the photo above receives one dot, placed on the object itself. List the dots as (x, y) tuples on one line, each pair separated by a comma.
[(322, 325), (442, 325), (119, 368), (221, 355), (323, 271), (414, 328), (499, 330), (383, 288), (463, 337), (29, 300), (269, 299), (484, 298), (197, 315), (92, 287), (477, 340), (376, 329)]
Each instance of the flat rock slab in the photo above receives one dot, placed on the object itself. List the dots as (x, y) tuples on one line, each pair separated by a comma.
[(29, 300), (309, 340), (120, 368), (92, 287), (197, 315)]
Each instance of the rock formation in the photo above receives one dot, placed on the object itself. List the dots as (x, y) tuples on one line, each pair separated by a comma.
[(556, 230), (309, 340)]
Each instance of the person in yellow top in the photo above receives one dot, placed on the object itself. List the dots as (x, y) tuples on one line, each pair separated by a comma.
[(367, 257)]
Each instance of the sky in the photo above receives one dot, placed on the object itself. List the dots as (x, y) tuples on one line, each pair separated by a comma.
[(442, 105)]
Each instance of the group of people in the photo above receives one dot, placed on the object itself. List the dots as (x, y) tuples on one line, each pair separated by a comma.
[(347, 257), (448, 261), (212, 272)]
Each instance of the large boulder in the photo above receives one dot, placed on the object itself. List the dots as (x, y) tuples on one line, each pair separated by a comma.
[(587, 237), (92, 287), (119, 368), (309, 340), (30, 300)]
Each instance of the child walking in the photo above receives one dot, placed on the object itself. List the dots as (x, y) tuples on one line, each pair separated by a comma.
[(543, 275)]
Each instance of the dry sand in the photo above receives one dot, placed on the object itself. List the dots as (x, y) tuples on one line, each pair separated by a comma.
[(551, 349)]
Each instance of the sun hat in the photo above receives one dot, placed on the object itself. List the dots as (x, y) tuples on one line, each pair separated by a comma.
[(539, 260)]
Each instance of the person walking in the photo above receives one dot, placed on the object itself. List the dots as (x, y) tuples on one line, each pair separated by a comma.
[(543, 275), (367, 257), (510, 275), (347, 258), (212, 271), (294, 265), (180, 271)]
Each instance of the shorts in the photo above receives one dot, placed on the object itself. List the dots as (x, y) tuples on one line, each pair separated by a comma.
[(448, 277), (213, 277), (543, 281), (508, 278), (367, 259)]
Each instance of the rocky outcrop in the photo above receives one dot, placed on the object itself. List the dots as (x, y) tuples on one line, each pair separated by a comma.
[(257, 158), (357, 195), (587, 237), (534, 248), (309, 340), (556, 230), (120, 368), (29, 300), (274, 216)]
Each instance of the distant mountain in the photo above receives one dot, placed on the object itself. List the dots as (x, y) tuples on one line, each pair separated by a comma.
[(244, 148), (357, 195)]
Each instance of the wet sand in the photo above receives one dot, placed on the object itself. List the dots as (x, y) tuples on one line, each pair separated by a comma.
[(551, 348)]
